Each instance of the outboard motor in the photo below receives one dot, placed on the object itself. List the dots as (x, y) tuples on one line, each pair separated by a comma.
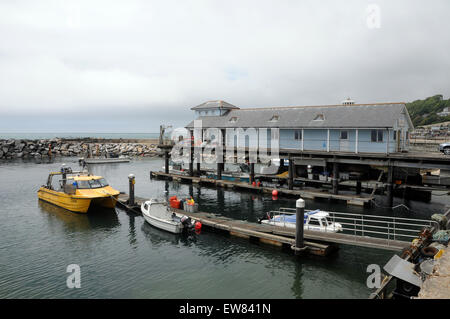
[(187, 223), (266, 216)]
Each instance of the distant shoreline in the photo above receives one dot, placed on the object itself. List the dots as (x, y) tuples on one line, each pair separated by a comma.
[(77, 135)]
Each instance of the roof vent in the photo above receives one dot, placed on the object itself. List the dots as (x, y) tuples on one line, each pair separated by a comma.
[(348, 101), (319, 117), (274, 118)]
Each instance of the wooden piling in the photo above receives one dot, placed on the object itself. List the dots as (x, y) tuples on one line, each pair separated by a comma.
[(291, 174), (335, 178), (219, 171), (252, 173), (166, 162), (390, 186)]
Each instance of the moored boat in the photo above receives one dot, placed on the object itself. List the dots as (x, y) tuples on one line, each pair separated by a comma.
[(158, 214), (78, 191), (316, 220)]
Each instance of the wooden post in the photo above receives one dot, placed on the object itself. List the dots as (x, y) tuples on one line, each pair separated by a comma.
[(191, 160), (390, 186), (219, 171), (198, 168), (252, 173), (335, 178), (166, 162), (131, 181), (358, 187), (291, 173)]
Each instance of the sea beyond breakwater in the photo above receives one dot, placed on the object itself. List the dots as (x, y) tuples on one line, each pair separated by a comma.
[(86, 147)]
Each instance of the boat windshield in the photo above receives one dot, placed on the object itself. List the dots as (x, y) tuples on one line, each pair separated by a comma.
[(93, 183)]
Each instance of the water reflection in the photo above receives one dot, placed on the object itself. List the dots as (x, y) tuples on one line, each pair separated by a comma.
[(132, 230), (104, 218), (297, 285), (159, 237)]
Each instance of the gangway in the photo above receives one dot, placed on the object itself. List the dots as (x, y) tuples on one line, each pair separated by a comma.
[(376, 231)]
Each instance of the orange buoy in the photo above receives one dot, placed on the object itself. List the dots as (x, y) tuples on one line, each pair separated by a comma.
[(198, 225), (258, 184), (274, 192), (253, 184)]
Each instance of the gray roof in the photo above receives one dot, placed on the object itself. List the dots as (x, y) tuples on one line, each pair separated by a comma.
[(214, 105), (335, 116)]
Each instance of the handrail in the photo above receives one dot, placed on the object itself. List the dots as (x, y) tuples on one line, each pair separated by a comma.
[(360, 225)]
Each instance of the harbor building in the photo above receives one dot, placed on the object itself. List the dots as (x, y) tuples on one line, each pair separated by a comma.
[(346, 127)]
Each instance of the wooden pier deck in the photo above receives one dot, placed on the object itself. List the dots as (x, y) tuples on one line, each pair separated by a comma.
[(318, 243), (304, 193)]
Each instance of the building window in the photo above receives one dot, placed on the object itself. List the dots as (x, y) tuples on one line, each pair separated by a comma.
[(377, 136), (344, 135), (319, 117), (298, 135)]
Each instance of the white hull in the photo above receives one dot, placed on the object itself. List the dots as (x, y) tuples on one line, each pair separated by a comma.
[(156, 214), (163, 224), (314, 220), (328, 229), (107, 160)]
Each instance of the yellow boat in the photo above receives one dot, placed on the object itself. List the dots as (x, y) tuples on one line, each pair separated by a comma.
[(78, 191)]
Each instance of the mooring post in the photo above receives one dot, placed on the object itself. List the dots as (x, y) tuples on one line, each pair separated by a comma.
[(291, 174), (166, 162), (131, 181), (281, 162), (198, 168), (358, 187), (390, 186), (191, 161), (335, 178), (299, 224), (252, 173), (219, 171)]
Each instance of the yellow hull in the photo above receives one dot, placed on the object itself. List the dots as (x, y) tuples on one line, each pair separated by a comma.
[(76, 203)]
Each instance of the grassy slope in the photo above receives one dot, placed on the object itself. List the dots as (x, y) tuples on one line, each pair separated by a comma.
[(430, 106)]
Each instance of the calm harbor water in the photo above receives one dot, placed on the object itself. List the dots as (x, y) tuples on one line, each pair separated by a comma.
[(123, 257)]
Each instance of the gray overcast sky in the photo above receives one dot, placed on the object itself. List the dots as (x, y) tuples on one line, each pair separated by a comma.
[(127, 66)]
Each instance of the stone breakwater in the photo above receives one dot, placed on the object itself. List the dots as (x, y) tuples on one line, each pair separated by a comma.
[(45, 148)]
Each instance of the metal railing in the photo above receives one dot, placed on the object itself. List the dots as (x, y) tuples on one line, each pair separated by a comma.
[(359, 225)]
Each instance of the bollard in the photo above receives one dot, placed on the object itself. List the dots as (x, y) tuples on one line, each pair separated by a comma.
[(131, 180), (299, 224)]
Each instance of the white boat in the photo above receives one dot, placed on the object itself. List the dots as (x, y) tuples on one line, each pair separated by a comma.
[(108, 160), (158, 214), (314, 220)]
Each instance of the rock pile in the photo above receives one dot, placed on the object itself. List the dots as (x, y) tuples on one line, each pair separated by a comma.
[(11, 148)]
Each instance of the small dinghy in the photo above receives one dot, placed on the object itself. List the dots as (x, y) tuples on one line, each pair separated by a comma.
[(158, 214)]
